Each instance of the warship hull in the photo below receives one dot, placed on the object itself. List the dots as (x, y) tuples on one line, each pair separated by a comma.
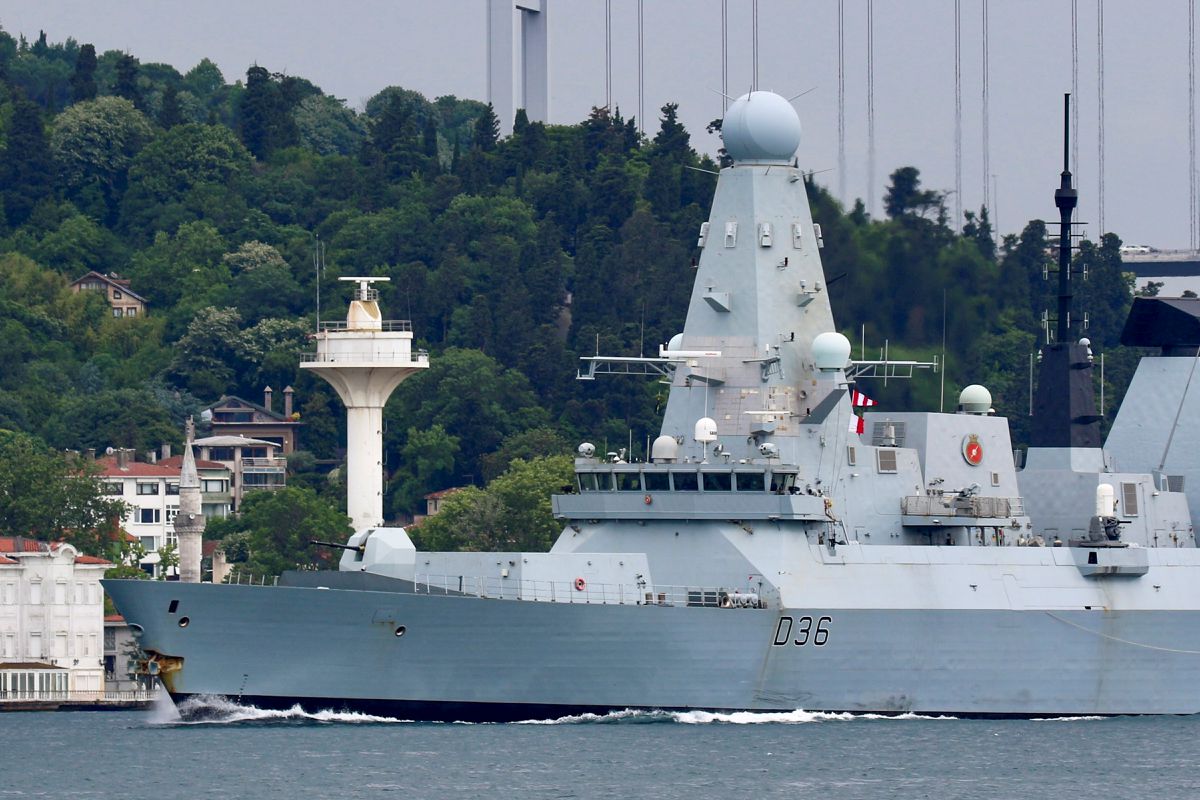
[(989, 639)]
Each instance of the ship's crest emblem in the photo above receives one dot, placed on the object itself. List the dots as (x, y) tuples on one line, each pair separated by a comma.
[(972, 450)]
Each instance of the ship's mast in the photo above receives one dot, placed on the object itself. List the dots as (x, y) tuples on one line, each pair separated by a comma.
[(1066, 198)]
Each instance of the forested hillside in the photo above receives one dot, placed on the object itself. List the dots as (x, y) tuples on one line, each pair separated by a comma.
[(512, 257)]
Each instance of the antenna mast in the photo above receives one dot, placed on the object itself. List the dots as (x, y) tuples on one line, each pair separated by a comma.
[(1066, 198)]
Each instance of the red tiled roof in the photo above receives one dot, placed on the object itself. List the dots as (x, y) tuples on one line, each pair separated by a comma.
[(91, 560), (113, 618), (137, 469), (19, 544), (7, 560)]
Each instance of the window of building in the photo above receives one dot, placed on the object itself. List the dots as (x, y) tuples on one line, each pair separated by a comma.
[(117, 294), (148, 544), (214, 486), (35, 593), (35, 646), (149, 515), (172, 513), (131, 312), (117, 312), (112, 487), (147, 488), (255, 452), (221, 453), (172, 488)]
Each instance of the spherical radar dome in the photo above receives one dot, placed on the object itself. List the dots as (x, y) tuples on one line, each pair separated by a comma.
[(761, 126), (831, 351), (975, 399)]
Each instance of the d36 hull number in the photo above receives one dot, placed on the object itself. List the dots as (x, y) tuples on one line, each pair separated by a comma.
[(802, 631)]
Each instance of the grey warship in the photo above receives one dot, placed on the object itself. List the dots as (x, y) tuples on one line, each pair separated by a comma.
[(768, 557)]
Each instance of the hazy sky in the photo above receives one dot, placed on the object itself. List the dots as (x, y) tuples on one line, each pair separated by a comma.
[(354, 48)]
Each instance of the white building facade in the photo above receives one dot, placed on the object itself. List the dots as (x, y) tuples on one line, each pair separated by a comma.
[(51, 622), (151, 493)]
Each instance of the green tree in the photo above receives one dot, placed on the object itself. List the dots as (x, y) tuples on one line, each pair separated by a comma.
[(83, 81), (27, 166), (94, 144), (170, 113), (127, 80), (273, 532), (49, 495), (512, 514)]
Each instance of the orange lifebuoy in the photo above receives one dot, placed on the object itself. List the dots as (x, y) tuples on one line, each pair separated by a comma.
[(648, 499), (580, 584)]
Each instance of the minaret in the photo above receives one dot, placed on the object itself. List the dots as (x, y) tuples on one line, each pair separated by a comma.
[(189, 523), (365, 358)]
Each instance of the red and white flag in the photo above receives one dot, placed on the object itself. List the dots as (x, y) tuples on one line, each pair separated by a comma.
[(856, 424), (860, 400)]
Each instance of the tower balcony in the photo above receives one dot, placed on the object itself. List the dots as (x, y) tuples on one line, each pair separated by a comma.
[(349, 343)]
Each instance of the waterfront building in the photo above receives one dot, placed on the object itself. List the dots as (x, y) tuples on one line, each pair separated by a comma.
[(51, 622)]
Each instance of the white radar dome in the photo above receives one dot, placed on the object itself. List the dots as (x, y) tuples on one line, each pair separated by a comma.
[(665, 449), (975, 399), (706, 430), (676, 342), (761, 126), (831, 351)]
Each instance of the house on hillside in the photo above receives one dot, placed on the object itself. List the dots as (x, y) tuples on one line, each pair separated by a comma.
[(51, 623), (124, 301), (253, 463), (234, 416)]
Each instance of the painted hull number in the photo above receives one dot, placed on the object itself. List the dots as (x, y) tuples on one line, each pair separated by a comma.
[(802, 631)]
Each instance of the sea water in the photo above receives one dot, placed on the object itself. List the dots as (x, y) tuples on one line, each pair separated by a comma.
[(222, 750)]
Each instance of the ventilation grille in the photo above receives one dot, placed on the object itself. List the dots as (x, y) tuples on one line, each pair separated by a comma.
[(886, 459), (879, 426), (1129, 499), (1174, 483)]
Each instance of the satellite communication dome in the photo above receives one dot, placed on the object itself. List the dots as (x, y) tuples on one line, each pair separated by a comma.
[(676, 342), (831, 351), (761, 126), (975, 399), (665, 448), (706, 430)]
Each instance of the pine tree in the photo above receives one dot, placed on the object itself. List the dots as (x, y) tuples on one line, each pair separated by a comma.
[(83, 81), (487, 130), (170, 114), (27, 171), (127, 80)]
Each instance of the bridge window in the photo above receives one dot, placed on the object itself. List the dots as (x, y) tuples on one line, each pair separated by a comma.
[(685, 481), (750, 481), (718, 481), (587, 482), (783, 482), (628, 481), (656, 481)]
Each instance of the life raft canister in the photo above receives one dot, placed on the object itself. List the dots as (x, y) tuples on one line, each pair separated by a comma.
[(580, 584)]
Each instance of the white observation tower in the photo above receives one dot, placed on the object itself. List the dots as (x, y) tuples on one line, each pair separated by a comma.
[(364, 358)]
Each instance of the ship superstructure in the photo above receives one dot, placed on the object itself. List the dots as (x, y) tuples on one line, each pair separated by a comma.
[(767, 557)]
